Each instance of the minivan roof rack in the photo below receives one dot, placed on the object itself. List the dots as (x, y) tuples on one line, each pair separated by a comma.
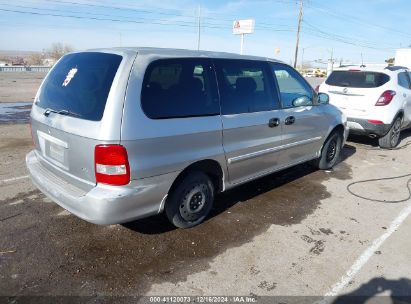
[(395, 68)]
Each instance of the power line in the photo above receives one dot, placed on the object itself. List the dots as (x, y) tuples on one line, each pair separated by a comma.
[(346, 40), (313, 30), (161, 13), (140, 21), (97, 14), (354, 19)]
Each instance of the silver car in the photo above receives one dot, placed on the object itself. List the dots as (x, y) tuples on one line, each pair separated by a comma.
[(126, 133)]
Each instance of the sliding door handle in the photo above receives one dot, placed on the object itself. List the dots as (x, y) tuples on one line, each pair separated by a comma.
[(289, 120), (274, 122)]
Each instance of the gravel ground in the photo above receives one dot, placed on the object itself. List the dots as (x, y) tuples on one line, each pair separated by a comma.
[(296, 232), (19, 86)]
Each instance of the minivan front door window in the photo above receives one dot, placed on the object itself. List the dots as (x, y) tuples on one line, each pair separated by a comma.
[(294, 90)]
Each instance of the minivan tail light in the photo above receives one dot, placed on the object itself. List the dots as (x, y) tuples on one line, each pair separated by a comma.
[(111, 165), (385, 98)]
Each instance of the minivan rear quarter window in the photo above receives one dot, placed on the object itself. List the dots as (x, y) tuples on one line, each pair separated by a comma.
[(176, 88), (80, 84), (357, 79)]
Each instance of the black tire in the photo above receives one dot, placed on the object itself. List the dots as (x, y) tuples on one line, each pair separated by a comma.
[(392, 138), (330, 153), (190, 201)]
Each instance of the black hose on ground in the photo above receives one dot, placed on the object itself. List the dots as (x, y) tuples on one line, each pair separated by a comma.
[(381, 179)]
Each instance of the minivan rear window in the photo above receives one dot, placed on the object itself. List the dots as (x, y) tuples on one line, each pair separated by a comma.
[(79, 84), (357, 79)]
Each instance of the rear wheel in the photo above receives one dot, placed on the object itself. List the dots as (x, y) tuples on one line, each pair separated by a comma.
[(330, 152), (392, 138), (191, 201)]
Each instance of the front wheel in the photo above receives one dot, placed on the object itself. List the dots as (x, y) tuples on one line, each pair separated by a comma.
[(392, 138), (330, 152), (191, 201)]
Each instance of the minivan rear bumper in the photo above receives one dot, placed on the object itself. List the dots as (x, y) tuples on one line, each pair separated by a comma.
[(103, 204), (364, 127)]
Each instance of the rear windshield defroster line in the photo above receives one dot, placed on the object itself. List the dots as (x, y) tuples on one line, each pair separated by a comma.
[(80, 84)]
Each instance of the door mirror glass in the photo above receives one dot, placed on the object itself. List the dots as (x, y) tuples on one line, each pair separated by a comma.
[(302, 101), (323, 98)]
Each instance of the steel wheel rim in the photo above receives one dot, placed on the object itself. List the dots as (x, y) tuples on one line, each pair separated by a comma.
[(331, 150), (194, 203)]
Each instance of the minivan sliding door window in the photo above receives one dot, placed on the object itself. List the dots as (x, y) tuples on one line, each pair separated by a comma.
[(176, 88), (244, 86)]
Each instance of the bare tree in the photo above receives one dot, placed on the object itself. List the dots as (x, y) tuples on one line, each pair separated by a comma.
[(58, 49), (390, 61), (5, 59), (35, 59)]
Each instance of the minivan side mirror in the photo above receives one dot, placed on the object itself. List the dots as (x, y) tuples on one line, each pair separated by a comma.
[(323, 98), (302, 101)]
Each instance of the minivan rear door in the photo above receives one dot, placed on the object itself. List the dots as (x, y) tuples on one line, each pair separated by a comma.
[(250, 116), (78, 106), (355, 92)]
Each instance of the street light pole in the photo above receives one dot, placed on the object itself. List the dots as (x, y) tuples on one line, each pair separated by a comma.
[(242, 44)]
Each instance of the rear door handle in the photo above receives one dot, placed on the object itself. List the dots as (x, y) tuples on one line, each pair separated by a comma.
[(289, 120), (274, 122)]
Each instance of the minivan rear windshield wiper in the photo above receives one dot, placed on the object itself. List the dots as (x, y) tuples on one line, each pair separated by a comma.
[(61, 112)]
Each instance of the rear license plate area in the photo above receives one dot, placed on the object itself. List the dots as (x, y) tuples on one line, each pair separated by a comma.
[(56, 152), (53, 149)]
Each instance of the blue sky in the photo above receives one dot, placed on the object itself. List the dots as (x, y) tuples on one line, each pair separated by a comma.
[(349, 29)]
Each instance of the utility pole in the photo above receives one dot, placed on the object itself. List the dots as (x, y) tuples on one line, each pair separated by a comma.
[(302, 60), (199, 28), (330, 65), (300, 18)]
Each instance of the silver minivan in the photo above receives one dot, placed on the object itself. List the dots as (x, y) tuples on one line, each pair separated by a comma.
[(126, 133)]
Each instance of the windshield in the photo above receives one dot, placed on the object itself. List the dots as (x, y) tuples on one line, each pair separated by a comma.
[(79, 84)]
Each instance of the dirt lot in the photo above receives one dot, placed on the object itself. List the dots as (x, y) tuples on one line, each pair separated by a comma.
[(19, 86), (294, 233)]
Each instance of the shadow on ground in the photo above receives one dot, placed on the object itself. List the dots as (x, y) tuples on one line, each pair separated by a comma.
[(58, 254), (367, 142), (399, 291)]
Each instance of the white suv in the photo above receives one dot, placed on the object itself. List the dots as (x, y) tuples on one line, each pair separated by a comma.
[(376, 101)]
